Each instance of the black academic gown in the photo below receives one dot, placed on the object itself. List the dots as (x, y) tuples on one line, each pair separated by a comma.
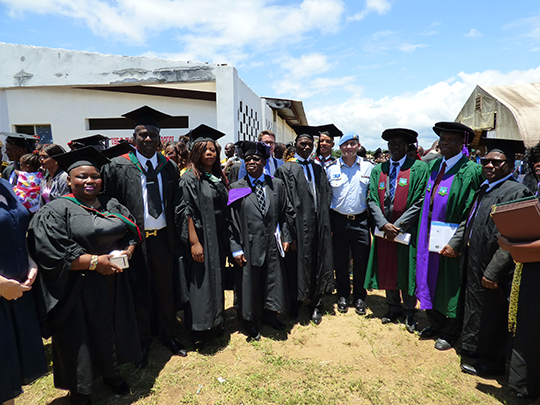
[(22, 358), (90, 317), (201, 284), (261, 283), (485, 311), (122, 180), (311, 268), (524, 376)]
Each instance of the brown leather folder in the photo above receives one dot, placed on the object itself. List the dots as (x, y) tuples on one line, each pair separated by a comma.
[(519, 221)]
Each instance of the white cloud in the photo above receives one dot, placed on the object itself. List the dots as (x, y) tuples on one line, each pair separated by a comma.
[(378, 6), (384, 41), (306, 65), (419, 111), (473, 33), (410, 47), (206, 30)]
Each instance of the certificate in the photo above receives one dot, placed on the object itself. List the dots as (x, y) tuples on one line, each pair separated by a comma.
[(440, 235), (403, 238)]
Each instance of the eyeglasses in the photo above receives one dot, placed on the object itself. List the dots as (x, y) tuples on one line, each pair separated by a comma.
[(254, 158), (396, 144), (496, 163)]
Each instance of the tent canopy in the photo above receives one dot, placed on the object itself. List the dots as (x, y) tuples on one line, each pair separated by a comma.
[(505, 112)]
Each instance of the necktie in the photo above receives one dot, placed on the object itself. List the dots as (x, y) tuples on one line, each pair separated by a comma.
[(437, 182), (152, 188), (306, 163), (259, 192), (392, 179)]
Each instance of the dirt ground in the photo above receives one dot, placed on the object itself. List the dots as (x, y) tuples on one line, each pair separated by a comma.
[(346, 359)]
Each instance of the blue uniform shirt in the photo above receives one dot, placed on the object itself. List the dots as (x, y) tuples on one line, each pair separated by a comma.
[(349, 186)]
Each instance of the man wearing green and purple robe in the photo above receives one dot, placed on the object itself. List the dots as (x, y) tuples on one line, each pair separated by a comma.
[(451, 185), (396, 192)]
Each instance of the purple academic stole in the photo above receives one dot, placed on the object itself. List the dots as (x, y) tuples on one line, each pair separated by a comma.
[(386, 250), (427, 263)]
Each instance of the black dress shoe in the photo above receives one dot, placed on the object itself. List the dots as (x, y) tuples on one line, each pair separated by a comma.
[(253, 333), (410, 323), (442, 344), (516, 394), (428, 333), (481, 370), (360, 306), (316, 316), (175, 347), (79, 399), (117, 384), (390, 316), (270, 319), (145, 351), (342, 305)]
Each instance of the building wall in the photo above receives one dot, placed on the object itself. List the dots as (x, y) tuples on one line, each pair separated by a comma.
[(67, 110)]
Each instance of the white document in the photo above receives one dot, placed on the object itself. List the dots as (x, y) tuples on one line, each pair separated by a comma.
[(277, 234), (440, 235), (403, 238)]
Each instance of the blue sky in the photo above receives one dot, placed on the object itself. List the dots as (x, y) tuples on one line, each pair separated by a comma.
[(364, 65)]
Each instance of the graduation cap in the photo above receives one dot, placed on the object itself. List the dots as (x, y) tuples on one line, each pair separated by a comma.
[(255, 148), (456, 127), (204, 133), (304, 131), (508, 147), (329, 130), (86, 156), (146, 116), (407, 134), (22, 140), (118, 150), (98, 141)]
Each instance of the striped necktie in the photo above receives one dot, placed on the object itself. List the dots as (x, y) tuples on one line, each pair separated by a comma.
[(259, 192)]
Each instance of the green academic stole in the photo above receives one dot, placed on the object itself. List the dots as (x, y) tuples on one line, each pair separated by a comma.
[(387, 262), (132, 227), (162, 161)]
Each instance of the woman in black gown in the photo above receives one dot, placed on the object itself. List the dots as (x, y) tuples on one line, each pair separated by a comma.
[(22, 358), (89, 311), (202, 222)]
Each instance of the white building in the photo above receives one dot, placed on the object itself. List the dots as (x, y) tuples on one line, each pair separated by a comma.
[(62, 95)]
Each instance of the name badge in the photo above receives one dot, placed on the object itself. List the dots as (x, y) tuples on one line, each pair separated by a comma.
[(402, 182)]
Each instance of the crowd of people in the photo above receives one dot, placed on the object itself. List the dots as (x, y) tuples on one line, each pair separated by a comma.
[(103, 246)]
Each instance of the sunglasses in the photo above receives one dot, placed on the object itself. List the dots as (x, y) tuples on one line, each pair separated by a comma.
[(494, 162), (252, 158)]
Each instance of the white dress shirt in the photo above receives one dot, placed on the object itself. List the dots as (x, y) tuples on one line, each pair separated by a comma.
[(150, 222)]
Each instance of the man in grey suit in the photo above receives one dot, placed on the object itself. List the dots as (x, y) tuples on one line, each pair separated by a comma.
[(260, 215)]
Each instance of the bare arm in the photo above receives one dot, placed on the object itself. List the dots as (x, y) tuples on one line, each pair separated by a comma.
[(197, 250)]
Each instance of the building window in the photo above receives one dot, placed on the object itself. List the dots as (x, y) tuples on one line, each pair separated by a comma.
[(478, 103), (43, 131), (248, 123)]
